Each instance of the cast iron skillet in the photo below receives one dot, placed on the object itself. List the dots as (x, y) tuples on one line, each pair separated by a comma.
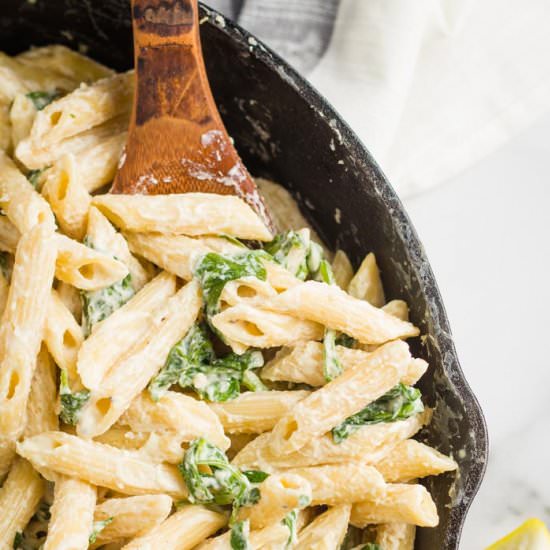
[(286, 131)]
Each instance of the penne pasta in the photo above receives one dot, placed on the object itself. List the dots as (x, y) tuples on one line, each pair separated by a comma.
[(101, 465), (368, 445), (367, 284), (249, 326), (411, 459), (326, 531), (341, 398), (68, 198), (9, 235), (396, 536), (330, 305), (129, 377), (256, 412), (105, 238), (188, 213), (41, 407), (303, 364), (70, 296), (342, 269), (280, 494), (23, 325), (400, 503), (24, 207), (4, 290), (189, 526), (397, 308), (22, 113), (341, 483), (7, 454), (122, 330), (72, 515), (131, 516), (184, 415), (19, 497), (86, 268), (62, 335)]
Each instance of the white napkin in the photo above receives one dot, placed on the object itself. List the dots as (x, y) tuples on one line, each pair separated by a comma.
[(432, 86)]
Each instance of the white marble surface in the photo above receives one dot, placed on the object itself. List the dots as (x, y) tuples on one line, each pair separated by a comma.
[(487, 235)]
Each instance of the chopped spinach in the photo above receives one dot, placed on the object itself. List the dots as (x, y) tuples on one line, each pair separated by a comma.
[(6, 265), (371, 546), (291, 522), (240, 532), (34, 176), (214, 271), (399, 403), (191, 363), (97, 527), (71, 402), (345, 340), (291, 249), (314, 257), (42, 99), (211, 479)]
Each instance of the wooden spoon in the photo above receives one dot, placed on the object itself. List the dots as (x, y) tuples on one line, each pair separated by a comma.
[(177, 142)]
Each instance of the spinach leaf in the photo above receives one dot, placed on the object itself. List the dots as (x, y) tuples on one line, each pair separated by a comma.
[(331, 364), (71, 402), (42, 99), (211, 479), (371, 546), (291, 249), (99, 304), (345, 340), (240, 532), (34, 175), (97, 527), (291, 522), (191, 363), (314, 257), (214, 271), (399, 403)]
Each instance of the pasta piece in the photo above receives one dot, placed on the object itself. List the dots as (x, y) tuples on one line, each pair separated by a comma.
[(123, 437), (176, 254), (5, 123), (22, 113), (131, 516), (4, 290), (72, 515), (129, 377), (60, 59), (84, 108), (395, 536), (70, 296), (183, 530), (9, 235), (124, 328), (41, 408), (246, 290), (101, 465), (331, 306), (68, 198), (7, 454), (105, 237), (86, 268), (280, 493), (342, 269), (411, 459), (256, 412), (24, 207), (400, 503), (368, 445), (244, 325), (23, 325), (180, 413), (342, 397), (19, 497), (341, 483), (326, 531), (366, 283), (303, 364), (63, 335), (95, 143), (397, 308), (188, 213), (98, 163)]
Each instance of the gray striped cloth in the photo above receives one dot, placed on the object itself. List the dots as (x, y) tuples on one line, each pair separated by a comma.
[(299, 31)]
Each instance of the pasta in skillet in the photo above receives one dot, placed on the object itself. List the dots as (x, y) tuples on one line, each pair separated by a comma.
[(169, 385)]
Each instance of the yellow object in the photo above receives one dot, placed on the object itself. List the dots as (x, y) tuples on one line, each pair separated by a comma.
[(530, 535)]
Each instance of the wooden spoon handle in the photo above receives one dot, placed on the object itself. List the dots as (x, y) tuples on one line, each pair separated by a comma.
[(177, 142)]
